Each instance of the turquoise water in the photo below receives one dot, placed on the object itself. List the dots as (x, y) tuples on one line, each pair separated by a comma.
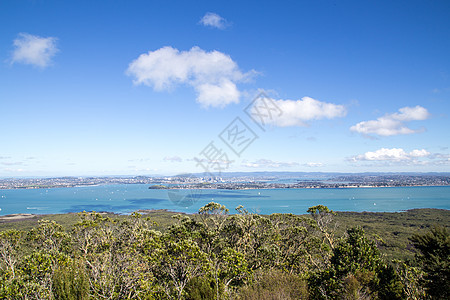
[(127, 198)]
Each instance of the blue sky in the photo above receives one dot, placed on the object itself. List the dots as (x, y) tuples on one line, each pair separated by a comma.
[(155, 87)]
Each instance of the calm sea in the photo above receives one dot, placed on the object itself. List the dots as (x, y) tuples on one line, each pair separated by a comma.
[(127, 198)]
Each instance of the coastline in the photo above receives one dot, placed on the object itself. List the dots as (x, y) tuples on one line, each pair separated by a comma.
[(25, 216), (240, 181), (262, 187)]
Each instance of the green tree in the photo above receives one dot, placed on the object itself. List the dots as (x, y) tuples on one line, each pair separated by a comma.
[(434, 258), (10, 257), (70, 281), (179, 263), (323, 217), (356, 271), (412, 280), (118, 255), (214, 214), (9, 244)]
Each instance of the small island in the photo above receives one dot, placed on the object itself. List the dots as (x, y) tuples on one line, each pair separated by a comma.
[(157, 187)]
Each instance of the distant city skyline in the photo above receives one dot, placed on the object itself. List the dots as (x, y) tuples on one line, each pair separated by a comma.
[(155, 88)]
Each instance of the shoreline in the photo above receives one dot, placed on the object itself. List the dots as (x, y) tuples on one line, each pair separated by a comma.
[(240, 181), (25, 216), (229, 189)]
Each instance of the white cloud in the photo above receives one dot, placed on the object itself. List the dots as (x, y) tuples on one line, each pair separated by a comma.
[(313, 164), (419, 153), (14, 163), (173, 159), (213, 162), (441, 158), (212, 74), (218, 95), (298, 112), (9, 170), (393, 154), (139, 160), (214, 20), (393, 124), (143, 169), (398, 156), (267, 163), (34, 50)]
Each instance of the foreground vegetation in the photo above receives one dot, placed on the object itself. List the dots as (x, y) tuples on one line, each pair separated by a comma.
[(213, 255)]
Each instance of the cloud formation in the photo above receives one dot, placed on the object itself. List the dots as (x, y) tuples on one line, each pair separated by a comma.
[(393, 124), (173, 159), (393, 154), (14, 163), (9, 170), (267, 163), (298, 112), (313, 164), (398, 156), (34, 50), (212, 74), (214, 20)]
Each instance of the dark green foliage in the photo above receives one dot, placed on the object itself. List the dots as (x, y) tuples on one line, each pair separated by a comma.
[(390, 285), (355, 253), (201, 288), (412, 280), (213, 255), (70, 282), (434, 258), (356, 270)]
